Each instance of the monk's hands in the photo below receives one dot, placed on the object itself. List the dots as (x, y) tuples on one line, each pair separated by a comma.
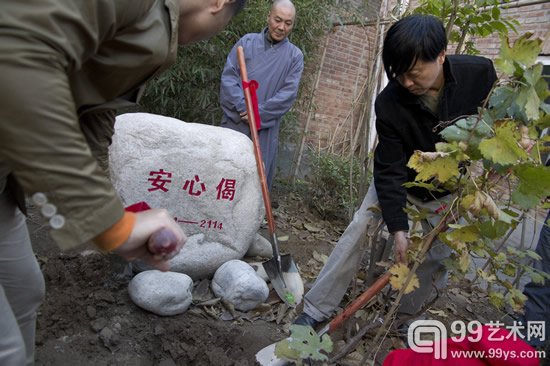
[(155, 239), (400, 246)]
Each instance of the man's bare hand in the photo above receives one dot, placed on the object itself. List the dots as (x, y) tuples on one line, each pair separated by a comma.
[(400, 246), (244, 116), (155, 239)]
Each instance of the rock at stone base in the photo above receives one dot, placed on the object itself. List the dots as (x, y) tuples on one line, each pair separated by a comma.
[(162, 293), (237, 282), (261, 247)]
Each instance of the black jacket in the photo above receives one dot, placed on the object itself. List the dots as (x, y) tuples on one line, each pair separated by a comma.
[(404, 124)]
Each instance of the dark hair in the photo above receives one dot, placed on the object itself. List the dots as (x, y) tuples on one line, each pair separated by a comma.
[(238, 5), (413, 38)]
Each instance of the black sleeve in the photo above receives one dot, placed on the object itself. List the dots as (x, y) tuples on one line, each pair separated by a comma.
[(390, 172)]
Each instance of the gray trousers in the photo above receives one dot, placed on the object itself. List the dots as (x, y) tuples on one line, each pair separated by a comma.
[(21, 286), (335, 277)]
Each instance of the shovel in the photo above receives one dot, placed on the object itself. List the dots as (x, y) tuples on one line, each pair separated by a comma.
[(281, 269), (266, 356)]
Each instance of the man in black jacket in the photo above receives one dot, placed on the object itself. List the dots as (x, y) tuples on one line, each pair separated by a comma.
[(427, 89)]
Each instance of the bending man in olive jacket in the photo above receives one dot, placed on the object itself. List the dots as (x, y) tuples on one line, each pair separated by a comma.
[(426, 87), (65, 66)]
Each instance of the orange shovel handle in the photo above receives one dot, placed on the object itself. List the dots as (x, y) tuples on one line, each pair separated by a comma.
[(358, 303), (255, 141)]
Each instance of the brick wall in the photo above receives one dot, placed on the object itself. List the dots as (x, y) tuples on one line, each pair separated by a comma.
[(342, 75), (532, 18), (346, 64)]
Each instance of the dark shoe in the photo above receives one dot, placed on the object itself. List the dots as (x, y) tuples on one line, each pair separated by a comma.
[(305, 319)]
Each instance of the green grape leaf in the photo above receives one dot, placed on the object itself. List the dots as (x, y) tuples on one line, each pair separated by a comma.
[(465, 129), (304, 343), (502, 103), (283, 351), (503, 148), (525, 201), (430, 165), (533, 179), (493, 230), (475, 124), (524, 52), (454, 133), (528, 99), (534, 185)]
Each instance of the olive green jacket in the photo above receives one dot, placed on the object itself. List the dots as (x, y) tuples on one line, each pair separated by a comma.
[(65, 66)]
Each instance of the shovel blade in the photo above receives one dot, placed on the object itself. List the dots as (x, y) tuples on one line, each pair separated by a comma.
[(286, 279)]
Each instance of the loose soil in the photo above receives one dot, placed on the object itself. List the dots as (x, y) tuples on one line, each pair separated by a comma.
[(88, 317)]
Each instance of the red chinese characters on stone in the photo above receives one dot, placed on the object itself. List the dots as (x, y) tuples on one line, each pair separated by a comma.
[(226, 189), (158, 182), (190, 184)]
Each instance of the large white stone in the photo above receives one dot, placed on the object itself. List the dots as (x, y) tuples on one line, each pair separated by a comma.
[(162, 293), (237, 282), (205, 176)]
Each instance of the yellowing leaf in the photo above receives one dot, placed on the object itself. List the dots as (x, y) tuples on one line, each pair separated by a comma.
[(464, 261), (497, 299), (439, 165), (516, 299), (504, 148), (486, 276), (400, 272), (467, 201), (466, 234)]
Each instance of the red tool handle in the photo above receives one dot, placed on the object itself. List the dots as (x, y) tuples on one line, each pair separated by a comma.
[(358, 303), (255, 141)]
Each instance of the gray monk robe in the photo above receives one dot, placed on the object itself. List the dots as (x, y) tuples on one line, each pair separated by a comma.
[(278, 69)]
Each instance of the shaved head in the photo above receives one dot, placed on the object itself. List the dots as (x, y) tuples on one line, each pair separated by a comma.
[(283, 3), (280, 20)]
